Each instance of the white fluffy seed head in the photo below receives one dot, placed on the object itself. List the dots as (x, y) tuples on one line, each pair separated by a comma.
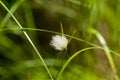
[(59, 42)]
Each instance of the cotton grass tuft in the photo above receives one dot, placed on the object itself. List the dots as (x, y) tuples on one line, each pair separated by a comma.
[(59, 42)]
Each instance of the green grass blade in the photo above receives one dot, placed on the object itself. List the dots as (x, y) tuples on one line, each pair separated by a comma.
[(71, 58), (70, 36), (27, 36), (61, 26), (107, 51), (43, 30)]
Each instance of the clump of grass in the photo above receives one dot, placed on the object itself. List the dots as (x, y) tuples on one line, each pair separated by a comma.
[(92, 46)]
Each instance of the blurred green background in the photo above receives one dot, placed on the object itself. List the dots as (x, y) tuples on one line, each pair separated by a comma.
[(19, 61)]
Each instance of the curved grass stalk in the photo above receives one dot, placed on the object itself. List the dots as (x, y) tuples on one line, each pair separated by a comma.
[(43, 30), (107, 51), (71, 36), (71, 58), (27, 36)]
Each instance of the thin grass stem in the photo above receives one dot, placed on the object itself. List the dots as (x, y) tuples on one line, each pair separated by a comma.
[(61, 26), (71, 58), (107, 51), (71, 36), (27, 36), (43, 30)]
